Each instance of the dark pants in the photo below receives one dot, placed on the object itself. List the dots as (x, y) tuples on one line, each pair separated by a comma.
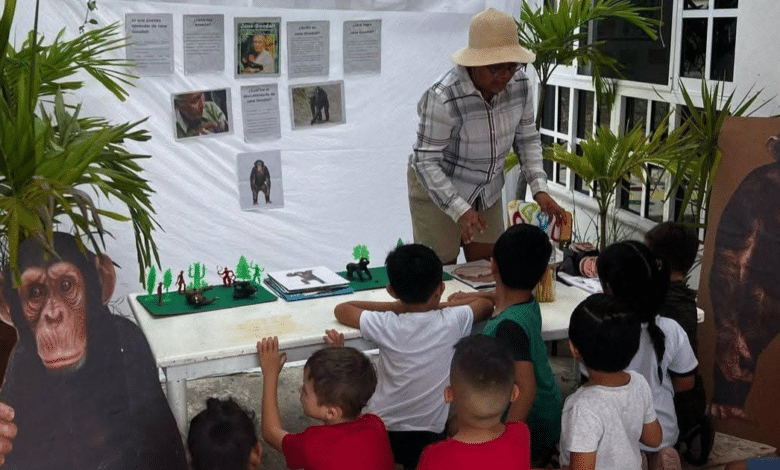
[(408, 445)]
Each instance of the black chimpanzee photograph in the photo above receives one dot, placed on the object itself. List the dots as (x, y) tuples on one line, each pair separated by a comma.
[(82, 382), (317, 104), (260, 180)]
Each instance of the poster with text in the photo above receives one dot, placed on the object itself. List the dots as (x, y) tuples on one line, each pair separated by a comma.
[(204, 43), (363, 46), (260, 109), (150, 43), (317, 104), (203, 113), (260, 180), (257, 47), (308, 48)]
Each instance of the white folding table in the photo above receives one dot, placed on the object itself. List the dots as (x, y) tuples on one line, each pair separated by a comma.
[(222, 342)]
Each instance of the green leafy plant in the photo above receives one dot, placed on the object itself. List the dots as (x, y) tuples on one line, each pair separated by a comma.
[(167, 279), (558, 36), (360, 251), (151, 278), (51, 156), (695, 171), (242, 269), (608, 159)]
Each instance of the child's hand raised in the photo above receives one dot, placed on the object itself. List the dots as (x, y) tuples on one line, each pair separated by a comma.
[(333, 338), (271, 362)]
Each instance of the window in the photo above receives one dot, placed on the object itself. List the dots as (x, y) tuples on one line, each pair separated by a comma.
[(646, 200), (708, 39), (697, 40), (555, 128), (643, 59)]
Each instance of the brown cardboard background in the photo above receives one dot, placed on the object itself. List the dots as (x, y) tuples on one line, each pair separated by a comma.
[(743, 143)]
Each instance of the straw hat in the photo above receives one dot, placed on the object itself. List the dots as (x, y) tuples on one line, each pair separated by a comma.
[(492, 40)]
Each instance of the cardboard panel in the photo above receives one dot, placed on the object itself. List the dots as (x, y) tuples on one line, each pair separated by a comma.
[(740, 212)]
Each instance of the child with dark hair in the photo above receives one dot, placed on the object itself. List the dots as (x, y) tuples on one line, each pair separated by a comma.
[(629, 271), (677, 245), (520, 257), (338, 382), (604, 421), (222, 437), (415, 335), (481, 387)]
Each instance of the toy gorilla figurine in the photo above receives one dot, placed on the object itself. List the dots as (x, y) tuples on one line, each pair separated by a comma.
[(744, 287), (260, 180), (83, 382)]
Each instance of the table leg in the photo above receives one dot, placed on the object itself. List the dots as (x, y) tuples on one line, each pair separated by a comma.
[(177, 399)]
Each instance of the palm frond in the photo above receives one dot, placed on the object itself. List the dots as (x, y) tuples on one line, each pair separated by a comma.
[(50, 155)]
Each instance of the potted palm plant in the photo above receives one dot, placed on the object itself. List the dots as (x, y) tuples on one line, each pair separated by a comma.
[(608, 159), (53, 160), (695, 171), (558, 36)]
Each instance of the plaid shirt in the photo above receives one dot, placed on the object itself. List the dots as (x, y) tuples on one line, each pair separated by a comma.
[(462, 142)]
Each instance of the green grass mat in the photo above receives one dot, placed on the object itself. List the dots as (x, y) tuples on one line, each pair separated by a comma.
[(379, 280), (175, 304)]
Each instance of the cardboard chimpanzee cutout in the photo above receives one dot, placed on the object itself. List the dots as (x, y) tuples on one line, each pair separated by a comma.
[(744, 283), (82, 382)]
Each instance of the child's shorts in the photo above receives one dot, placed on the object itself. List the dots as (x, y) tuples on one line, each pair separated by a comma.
[(407, 446), (435, 229)]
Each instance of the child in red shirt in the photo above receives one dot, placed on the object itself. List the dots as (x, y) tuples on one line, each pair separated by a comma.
[(482, 384), (338, 381)]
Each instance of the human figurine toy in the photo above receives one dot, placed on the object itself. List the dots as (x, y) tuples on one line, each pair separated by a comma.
[(228, 276), (195, 297), (358, 268), (243, 290), (181, 286), (159, 294)]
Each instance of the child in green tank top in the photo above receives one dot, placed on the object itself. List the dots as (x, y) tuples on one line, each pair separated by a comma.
[(520, 257)]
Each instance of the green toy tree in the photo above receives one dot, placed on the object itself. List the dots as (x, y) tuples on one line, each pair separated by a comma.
[(400, 242), (196, 272), (167, 279), (242, 269), (360, 251), (151, 280)]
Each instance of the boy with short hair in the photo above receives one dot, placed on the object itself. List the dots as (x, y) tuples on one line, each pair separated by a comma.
[(415, 335), (604, 421), (223, 436), (482, 384), (337, 384), (520, 257)]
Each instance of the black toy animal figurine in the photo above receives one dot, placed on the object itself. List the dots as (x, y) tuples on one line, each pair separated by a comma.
[(243, 290), (358, 268), (195, 297)]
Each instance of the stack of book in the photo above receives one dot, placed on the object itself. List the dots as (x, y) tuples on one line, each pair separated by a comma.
[(307, 283)]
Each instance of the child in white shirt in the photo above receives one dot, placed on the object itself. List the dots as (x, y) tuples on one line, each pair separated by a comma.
[(415, 335), (604, 421)]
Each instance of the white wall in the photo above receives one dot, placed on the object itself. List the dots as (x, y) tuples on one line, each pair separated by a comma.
[(343, 185), (756, 61)]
